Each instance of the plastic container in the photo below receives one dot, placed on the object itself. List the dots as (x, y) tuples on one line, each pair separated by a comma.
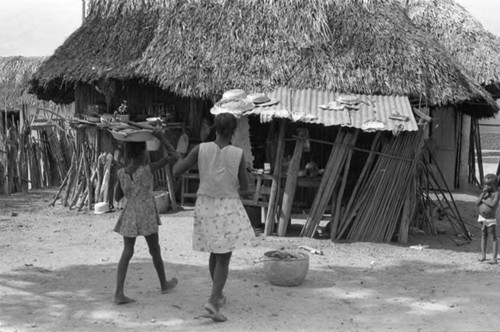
[(153, 145), (162, 200), (286, 272)]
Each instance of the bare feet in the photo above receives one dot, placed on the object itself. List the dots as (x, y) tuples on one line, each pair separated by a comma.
[(214, 313), (495, 262), (122, 299), (170, 285), (482, 259), (221, 301)]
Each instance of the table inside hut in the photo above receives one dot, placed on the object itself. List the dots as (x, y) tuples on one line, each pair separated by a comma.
[(258, 193)]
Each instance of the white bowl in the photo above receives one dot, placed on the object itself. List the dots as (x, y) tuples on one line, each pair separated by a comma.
[(101, 207)]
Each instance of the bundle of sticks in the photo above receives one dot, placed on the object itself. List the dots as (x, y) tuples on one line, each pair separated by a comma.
[(33, 159), (387, 199), (88, 180)]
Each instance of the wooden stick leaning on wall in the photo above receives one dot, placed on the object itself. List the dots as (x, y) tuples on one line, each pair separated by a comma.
[(328, 174), (291, 183), (338, 204), (63, 184), (337, 160), (271, 211), (347, 216), (104, 194), (73, 180), (171, 187), (86, 166)]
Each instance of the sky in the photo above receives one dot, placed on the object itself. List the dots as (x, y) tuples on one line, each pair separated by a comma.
[(38, 27)]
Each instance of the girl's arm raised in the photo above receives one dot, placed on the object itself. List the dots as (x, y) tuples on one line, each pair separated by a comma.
[(172, 155), (182, 166)]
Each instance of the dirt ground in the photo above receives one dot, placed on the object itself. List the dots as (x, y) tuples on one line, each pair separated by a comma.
[(57, 273)]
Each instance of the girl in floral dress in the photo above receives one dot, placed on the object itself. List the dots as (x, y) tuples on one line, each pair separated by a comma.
[(221, 223), (140, 216)]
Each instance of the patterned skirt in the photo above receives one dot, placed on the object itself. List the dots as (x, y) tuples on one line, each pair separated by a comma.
[(221, 225)]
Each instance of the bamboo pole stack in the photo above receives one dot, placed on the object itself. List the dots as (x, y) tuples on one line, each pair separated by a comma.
[(340, 151), (435, 198), (376, 215)]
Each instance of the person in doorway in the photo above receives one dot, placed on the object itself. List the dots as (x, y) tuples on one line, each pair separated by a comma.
[(487, 203), (140, 216), (221, 223)]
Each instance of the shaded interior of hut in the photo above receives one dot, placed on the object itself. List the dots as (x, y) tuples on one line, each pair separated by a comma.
[(260, 142), (306, 179)]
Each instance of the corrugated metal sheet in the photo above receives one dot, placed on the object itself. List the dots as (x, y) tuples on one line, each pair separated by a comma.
[(304, 105)]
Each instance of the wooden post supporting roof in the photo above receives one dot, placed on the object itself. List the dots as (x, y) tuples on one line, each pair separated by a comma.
[(273, 199), (291, 183)]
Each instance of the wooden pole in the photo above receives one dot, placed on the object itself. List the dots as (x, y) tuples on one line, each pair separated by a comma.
[(478, 151), (171, 188), (338, 205), (104, 194), (291, 183), (86, 166), (328, 180), (273, 198)]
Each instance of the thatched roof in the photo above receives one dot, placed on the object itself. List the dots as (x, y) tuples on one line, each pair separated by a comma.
[(202, 48), (464, 36), (114, 34), (15, 73)]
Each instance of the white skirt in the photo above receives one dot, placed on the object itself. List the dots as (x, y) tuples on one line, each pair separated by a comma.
[(221, 225)]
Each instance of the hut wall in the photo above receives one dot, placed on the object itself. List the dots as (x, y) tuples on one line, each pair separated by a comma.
[(443, 134), (143, 100)]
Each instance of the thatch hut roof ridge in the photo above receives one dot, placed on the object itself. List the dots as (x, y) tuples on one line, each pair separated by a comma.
[(114, 34), (202, 48), (477, 49)]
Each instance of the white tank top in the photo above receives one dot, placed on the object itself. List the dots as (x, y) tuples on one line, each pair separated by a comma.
[(219, 170)]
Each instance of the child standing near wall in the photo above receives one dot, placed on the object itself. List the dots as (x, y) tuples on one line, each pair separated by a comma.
[(487, 203)]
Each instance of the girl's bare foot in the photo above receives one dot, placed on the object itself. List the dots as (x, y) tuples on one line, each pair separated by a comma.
[(482, 259), (495, 262), (122, 299), (214, 313), (221, 301), (170, 285)]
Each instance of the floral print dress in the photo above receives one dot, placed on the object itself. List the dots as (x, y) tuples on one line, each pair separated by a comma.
[(139, 217), (221, 223)]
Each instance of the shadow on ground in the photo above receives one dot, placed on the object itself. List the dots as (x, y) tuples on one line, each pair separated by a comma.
[(36, 297)]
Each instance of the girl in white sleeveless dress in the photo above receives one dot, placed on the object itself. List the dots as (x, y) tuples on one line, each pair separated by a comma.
[(221, 223)]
